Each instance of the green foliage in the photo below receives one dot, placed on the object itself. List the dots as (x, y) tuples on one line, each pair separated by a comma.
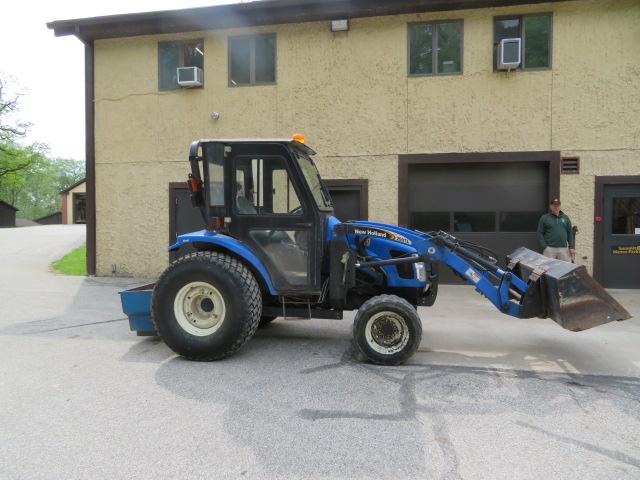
[(35, 188), (29, 179), (73, 263)]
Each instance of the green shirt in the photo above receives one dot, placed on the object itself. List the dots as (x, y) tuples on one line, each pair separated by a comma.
[(555, 231)]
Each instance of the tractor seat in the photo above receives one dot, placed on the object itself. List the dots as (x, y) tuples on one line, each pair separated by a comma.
[(244, 206)]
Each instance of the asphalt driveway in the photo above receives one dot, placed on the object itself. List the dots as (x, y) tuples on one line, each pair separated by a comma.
[(486, 396)]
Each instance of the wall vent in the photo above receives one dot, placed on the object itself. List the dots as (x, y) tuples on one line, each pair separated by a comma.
[(570, 165)]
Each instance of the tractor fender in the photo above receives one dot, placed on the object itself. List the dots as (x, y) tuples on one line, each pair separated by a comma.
[(226, 242)]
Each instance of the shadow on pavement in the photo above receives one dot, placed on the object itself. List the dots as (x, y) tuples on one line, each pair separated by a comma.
[(329, 393)]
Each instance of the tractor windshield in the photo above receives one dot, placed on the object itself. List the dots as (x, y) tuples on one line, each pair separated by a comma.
[(312, 177)]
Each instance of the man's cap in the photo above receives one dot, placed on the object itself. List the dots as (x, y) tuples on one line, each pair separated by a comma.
[(554, 201)]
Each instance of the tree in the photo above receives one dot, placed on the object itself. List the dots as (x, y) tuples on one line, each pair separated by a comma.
[(29, 179), (10, 131)]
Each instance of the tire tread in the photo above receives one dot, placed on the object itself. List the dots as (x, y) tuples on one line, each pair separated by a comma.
[(251, 296)]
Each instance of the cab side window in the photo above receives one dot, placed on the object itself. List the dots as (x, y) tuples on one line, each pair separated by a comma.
[(263, 187)]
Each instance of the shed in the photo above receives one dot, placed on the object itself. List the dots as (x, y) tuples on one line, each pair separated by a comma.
[(51, 219), (7, 214), (73, 203)]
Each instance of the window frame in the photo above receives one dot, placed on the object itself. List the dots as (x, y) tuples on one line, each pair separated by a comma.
[(290, 183), (523, 67), (434, 58), (252, 60), (181, 44)]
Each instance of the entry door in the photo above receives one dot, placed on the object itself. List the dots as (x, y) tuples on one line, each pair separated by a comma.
[(349, 198), (79, 207), (621, 255), (272, 216), (183, 216)]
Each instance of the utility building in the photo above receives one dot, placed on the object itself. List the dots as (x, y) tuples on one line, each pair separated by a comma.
[(455, 115)]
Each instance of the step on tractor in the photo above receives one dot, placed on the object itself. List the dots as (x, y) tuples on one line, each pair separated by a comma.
[(271, 247)]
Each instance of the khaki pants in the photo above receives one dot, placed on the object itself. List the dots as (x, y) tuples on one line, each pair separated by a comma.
[(557, 253)]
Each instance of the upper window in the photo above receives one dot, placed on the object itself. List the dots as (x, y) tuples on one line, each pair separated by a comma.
[(534, 31), (435, 48), (172, 55), (252, 60)]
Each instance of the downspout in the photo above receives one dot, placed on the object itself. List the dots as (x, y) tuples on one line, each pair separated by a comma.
[(90, 154)]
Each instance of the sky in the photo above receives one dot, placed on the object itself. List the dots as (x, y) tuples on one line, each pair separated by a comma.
[(48, 71)]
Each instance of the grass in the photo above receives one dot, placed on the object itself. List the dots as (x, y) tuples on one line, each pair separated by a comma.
[(73, 263)]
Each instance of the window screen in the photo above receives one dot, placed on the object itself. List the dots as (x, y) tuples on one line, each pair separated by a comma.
[(535, 33), (626, 216), (435, 48), (252, 60), (172, 55)]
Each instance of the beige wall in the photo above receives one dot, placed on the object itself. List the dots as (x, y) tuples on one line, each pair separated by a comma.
[(82, 188), (350, 94)]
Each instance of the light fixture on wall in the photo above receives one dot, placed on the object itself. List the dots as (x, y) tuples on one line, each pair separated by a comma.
[(215, 116), (341, 25)]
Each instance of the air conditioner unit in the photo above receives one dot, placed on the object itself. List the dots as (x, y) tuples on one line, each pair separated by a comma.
[(189, 76), (509, 54)]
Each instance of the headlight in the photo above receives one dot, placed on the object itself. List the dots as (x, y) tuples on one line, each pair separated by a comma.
[(421, 271)]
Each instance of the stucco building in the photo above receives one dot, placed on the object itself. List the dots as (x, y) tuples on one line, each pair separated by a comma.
[(405, 102)]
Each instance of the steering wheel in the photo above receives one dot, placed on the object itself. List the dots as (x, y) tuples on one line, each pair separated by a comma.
[(296, 211)]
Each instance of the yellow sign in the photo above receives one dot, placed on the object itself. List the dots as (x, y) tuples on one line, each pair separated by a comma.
[(626, 250)]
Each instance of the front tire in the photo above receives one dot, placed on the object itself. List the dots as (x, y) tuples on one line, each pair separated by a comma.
[(206, 305), (387, 330)]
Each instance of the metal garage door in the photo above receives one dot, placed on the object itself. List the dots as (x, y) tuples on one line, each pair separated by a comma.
[(494, 204)]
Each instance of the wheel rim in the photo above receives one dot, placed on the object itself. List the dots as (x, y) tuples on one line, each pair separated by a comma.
[(199, 308), (387, 333)]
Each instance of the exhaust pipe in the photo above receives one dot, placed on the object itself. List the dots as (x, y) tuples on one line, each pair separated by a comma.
[(564, 292)]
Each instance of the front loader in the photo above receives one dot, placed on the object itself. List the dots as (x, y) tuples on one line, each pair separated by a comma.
[(271, 247)]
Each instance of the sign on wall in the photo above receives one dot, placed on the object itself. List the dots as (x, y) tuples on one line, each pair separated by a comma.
[(625, 250)]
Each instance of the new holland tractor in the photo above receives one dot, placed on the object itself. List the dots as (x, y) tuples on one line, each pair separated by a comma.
[(271, 247)]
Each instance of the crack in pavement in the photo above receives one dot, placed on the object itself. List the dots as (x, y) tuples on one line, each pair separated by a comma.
[(613, 454)]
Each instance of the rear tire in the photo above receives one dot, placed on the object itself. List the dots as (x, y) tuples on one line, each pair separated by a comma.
[(206, 305), (387, 330), (266, 320)]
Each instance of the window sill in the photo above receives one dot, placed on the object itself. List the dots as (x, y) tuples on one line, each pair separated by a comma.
[(239, 85), (447, 74)]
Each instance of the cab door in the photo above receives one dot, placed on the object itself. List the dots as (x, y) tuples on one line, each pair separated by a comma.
[(270, 213)]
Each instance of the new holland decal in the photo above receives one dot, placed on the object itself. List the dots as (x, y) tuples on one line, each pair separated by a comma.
[(381, 233)]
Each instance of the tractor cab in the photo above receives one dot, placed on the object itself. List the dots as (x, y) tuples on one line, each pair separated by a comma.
[(267, 194)]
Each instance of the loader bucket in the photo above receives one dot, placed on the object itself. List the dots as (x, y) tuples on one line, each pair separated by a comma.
[(563, 292)]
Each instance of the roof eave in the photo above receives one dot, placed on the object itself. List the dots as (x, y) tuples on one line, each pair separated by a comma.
[(257, 13)]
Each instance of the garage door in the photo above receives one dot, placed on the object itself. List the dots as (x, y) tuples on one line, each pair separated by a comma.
[(496, 205)]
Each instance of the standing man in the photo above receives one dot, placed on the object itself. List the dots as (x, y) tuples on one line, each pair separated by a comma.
[(555, 234)]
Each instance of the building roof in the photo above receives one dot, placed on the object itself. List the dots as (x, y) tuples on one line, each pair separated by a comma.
[(71, 187), (265, 12), (8, 205)]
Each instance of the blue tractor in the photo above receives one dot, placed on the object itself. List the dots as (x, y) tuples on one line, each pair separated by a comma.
[(271, 247)]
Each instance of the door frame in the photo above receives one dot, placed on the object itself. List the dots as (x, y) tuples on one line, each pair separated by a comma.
[(598, 212), (173, 199), (353, 184), (552, 158)]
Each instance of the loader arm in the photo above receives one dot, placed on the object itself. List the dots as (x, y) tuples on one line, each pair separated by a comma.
[(530, 286), (500, 287)]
